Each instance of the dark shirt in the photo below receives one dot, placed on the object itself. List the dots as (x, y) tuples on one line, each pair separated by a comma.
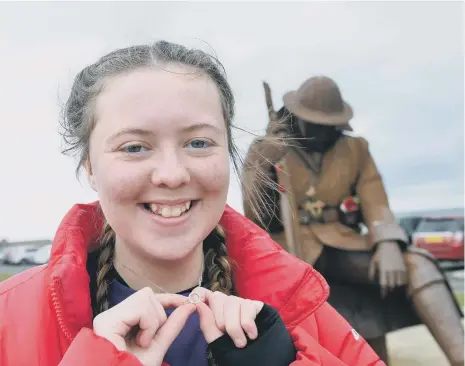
[(188, 349), (273, 346)]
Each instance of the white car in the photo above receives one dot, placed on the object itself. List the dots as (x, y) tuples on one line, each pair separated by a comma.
[(39, 256), (3, 252), (18, 255)]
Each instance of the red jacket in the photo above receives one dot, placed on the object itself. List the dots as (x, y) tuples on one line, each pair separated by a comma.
[(46, 317)]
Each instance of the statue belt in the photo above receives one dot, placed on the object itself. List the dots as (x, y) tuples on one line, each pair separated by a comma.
[(322, 215)]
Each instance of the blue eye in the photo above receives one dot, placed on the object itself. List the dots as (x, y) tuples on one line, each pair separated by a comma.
[(133, 149), (199, 144)]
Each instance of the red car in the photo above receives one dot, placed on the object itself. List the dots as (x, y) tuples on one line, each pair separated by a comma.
[(441, 236)]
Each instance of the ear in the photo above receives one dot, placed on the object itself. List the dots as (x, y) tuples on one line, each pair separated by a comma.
[(90, 175)]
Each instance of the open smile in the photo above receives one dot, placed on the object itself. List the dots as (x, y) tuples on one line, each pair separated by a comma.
[(169, 210)]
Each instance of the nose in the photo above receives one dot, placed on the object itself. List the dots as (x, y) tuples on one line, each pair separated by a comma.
[(169, 170)]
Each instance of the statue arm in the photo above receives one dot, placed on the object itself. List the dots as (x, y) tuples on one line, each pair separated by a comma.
[(378, 217), (259, 190)]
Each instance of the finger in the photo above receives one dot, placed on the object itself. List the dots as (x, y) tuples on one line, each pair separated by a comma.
[(148, 325), (258, 306), (136, 310), (207, 323), (216, 302), (387, 283), (170, 300), (405, 277), (384, 291), (168, 332), (391, 280), (401, 278), (204, 293), (232, 321), (398, 278), (383, 282), (151, 320), (372, 270), (248, 314)]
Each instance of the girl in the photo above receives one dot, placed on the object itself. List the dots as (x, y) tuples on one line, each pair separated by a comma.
[(178, 277)]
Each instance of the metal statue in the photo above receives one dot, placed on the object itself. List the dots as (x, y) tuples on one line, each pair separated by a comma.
[(332, 211)]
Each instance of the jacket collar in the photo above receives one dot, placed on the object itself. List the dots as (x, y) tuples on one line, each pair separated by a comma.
[(263, 270)]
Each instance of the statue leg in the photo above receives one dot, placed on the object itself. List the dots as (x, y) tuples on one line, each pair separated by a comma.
[(380, 347), (435, 303), (355, 296)]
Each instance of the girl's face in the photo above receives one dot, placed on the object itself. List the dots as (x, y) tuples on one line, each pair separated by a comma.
[(159, 159)]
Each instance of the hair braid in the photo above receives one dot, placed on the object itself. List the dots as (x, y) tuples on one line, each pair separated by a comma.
[(219, 269), (105, 266), (218, 265)]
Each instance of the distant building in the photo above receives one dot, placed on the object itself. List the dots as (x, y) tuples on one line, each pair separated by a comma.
[(458, 211), (28, 243)]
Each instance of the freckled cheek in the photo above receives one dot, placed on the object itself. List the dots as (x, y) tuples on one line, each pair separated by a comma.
[(213, 175), (119, 182)]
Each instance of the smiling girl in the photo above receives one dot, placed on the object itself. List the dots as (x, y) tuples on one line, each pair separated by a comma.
[(160, 270)]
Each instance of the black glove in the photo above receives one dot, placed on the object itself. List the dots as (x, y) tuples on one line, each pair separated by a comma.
[(272, 347)]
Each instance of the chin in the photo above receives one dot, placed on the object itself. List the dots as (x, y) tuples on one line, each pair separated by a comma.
[(171, 249)]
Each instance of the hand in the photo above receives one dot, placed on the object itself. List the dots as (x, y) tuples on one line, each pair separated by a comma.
[(265, 153), (277, 127), (145, 310), (389, 263), (222, 314)]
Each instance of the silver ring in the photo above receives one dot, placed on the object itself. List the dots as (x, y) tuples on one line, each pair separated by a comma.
[(194, 298)]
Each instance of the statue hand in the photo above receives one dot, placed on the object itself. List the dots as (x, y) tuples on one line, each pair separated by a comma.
[(389, 263)]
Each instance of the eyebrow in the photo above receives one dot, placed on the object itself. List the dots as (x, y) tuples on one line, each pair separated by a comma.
[(129, 131), (142, 132), (200, 126)]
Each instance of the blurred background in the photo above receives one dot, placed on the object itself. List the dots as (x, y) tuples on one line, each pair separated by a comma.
[(399, 64)]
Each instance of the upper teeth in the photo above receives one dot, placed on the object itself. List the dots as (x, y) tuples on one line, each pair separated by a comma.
[(170, 211)]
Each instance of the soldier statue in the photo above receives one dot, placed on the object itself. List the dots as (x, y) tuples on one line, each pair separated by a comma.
[(331, 210)]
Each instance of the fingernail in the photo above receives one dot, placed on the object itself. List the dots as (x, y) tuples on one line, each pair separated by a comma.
[(240, 343), (252, 335)]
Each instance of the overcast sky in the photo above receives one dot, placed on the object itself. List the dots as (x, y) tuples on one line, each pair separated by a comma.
[(399, 64)]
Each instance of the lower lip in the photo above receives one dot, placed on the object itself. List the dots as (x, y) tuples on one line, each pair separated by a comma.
[(170, 221)]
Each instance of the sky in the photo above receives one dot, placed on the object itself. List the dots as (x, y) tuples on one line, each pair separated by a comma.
[(400, 65)]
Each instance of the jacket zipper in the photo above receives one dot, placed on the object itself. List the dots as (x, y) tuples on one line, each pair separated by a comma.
[(58, 308), (59, 312)]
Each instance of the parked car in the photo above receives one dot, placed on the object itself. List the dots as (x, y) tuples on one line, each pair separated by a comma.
[(18, 255), (3, 252), (410, 224), (39, 256), (441, 236)]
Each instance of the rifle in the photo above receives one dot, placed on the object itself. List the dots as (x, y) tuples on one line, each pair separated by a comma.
[(289, 212)]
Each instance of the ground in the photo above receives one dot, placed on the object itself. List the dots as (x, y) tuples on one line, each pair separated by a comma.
[(414, 346)]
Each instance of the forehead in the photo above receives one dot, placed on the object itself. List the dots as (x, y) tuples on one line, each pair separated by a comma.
[(159, 98)]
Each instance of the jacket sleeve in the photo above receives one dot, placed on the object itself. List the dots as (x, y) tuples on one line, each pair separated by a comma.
[(327, 339), (378, 217), (91, 350)]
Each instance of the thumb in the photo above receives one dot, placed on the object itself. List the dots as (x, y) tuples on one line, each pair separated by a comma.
[(372, 268), (207, 323), (258, 306)]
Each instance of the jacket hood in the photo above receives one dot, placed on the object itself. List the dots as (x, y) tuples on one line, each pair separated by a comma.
[(262, 269)]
